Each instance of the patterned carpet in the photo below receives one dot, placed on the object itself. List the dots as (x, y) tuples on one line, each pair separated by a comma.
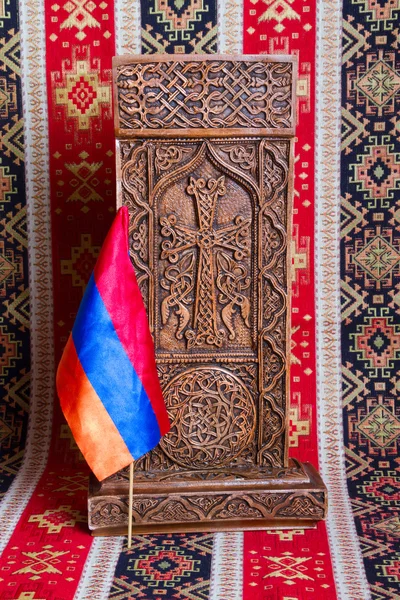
[(370, 261), (57, 200), (14, 290)]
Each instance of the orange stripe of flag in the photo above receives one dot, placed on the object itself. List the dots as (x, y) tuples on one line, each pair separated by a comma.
[(94, 431)]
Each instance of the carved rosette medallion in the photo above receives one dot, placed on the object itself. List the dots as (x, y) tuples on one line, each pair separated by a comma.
[(212, 418)]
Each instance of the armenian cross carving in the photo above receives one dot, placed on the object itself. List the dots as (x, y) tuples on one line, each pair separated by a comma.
[(206, 238)]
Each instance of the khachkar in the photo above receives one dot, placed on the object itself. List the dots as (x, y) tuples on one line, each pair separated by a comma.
[(205, 166)]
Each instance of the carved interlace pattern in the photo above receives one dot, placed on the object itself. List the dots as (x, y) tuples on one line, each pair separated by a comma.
[(209, 94), (212, 417), (242, 156), (167, 157), (180, 508), (274, 240)]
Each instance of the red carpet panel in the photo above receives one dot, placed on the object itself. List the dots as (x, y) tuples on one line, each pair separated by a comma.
[(57, 200)]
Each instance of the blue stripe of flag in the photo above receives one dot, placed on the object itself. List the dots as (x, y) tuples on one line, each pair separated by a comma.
[(112, 374)]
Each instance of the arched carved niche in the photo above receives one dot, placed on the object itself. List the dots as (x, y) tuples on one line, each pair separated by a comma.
[(205, 272)]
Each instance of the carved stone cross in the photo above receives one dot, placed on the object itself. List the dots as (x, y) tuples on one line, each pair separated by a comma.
[(205, 167), (233, 237)]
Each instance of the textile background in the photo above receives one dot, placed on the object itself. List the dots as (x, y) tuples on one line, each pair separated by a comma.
[(57, 200)]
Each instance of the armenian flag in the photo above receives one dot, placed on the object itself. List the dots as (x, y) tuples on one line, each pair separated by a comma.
[(107, 379)]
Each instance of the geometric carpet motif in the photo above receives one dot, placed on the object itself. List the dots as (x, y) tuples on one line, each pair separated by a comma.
[(14, 285), (288, 564), (168, 566), (48, 552), (370, 272), (67, 160), (180, 27)]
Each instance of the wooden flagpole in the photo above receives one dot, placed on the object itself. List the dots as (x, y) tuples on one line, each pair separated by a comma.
[(131, 471)]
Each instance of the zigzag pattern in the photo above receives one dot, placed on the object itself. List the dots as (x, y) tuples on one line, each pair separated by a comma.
[(370, 279), (9, 51), (14, 290), (179, 27)]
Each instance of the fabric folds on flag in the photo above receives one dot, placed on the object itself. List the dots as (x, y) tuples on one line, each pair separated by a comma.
[(107, 378)]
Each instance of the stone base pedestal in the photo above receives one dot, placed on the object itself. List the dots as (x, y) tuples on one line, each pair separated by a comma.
[(209, 500)]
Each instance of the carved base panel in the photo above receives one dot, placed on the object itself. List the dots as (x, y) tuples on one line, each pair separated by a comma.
[(292, 497)]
